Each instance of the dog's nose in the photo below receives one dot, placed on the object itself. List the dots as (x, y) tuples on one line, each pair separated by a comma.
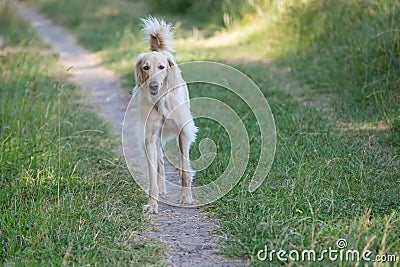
[(153, 85)]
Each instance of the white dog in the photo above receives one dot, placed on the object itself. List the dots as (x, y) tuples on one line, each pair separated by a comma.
[(163, 102)]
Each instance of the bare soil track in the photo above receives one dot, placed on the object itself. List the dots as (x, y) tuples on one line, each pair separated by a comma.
[(187, 232)]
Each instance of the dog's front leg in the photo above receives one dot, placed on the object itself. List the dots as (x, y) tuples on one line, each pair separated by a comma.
[(151, 151), (160, 170), (184, 144)]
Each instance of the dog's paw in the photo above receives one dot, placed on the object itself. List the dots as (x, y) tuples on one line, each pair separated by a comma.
[(187, 200), (186, 196), (151, 208), (162, 189)]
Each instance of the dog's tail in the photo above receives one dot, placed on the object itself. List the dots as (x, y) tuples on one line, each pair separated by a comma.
[(158, 34)]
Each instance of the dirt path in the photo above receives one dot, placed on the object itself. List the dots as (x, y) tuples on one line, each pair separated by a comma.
[(187, 232)]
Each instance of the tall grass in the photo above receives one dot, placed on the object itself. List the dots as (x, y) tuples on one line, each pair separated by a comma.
[(64, 197), (350, 48)]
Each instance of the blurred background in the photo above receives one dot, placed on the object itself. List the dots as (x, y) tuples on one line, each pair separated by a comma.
[(347, 48)]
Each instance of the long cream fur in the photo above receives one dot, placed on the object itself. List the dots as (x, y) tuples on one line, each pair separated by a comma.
[(159, 34), (162, 98)]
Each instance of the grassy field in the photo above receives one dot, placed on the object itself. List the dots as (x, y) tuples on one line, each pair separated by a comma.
[(65, 198), (332, 81)]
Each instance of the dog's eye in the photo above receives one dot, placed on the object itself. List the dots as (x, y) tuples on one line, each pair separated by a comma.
[(146, 67), (161, 67)]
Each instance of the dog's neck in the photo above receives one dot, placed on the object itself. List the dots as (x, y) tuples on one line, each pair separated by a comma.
[(159, 105)]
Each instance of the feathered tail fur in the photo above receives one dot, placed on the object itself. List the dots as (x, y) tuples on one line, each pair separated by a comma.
[(158, 34)]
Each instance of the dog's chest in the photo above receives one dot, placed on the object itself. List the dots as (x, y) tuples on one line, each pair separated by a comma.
[(164, 111), (164, 108)]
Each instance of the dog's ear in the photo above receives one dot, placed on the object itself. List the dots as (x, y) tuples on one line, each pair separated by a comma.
[(171, 61), (140, 76), (174, 76)]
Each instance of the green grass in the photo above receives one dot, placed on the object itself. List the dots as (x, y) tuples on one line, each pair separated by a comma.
[(65, 198), (333, 87)]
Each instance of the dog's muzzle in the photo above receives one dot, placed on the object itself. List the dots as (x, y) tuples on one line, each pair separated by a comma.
[(154, 88)]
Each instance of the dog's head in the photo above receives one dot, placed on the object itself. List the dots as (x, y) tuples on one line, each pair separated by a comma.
[(152, 71)]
